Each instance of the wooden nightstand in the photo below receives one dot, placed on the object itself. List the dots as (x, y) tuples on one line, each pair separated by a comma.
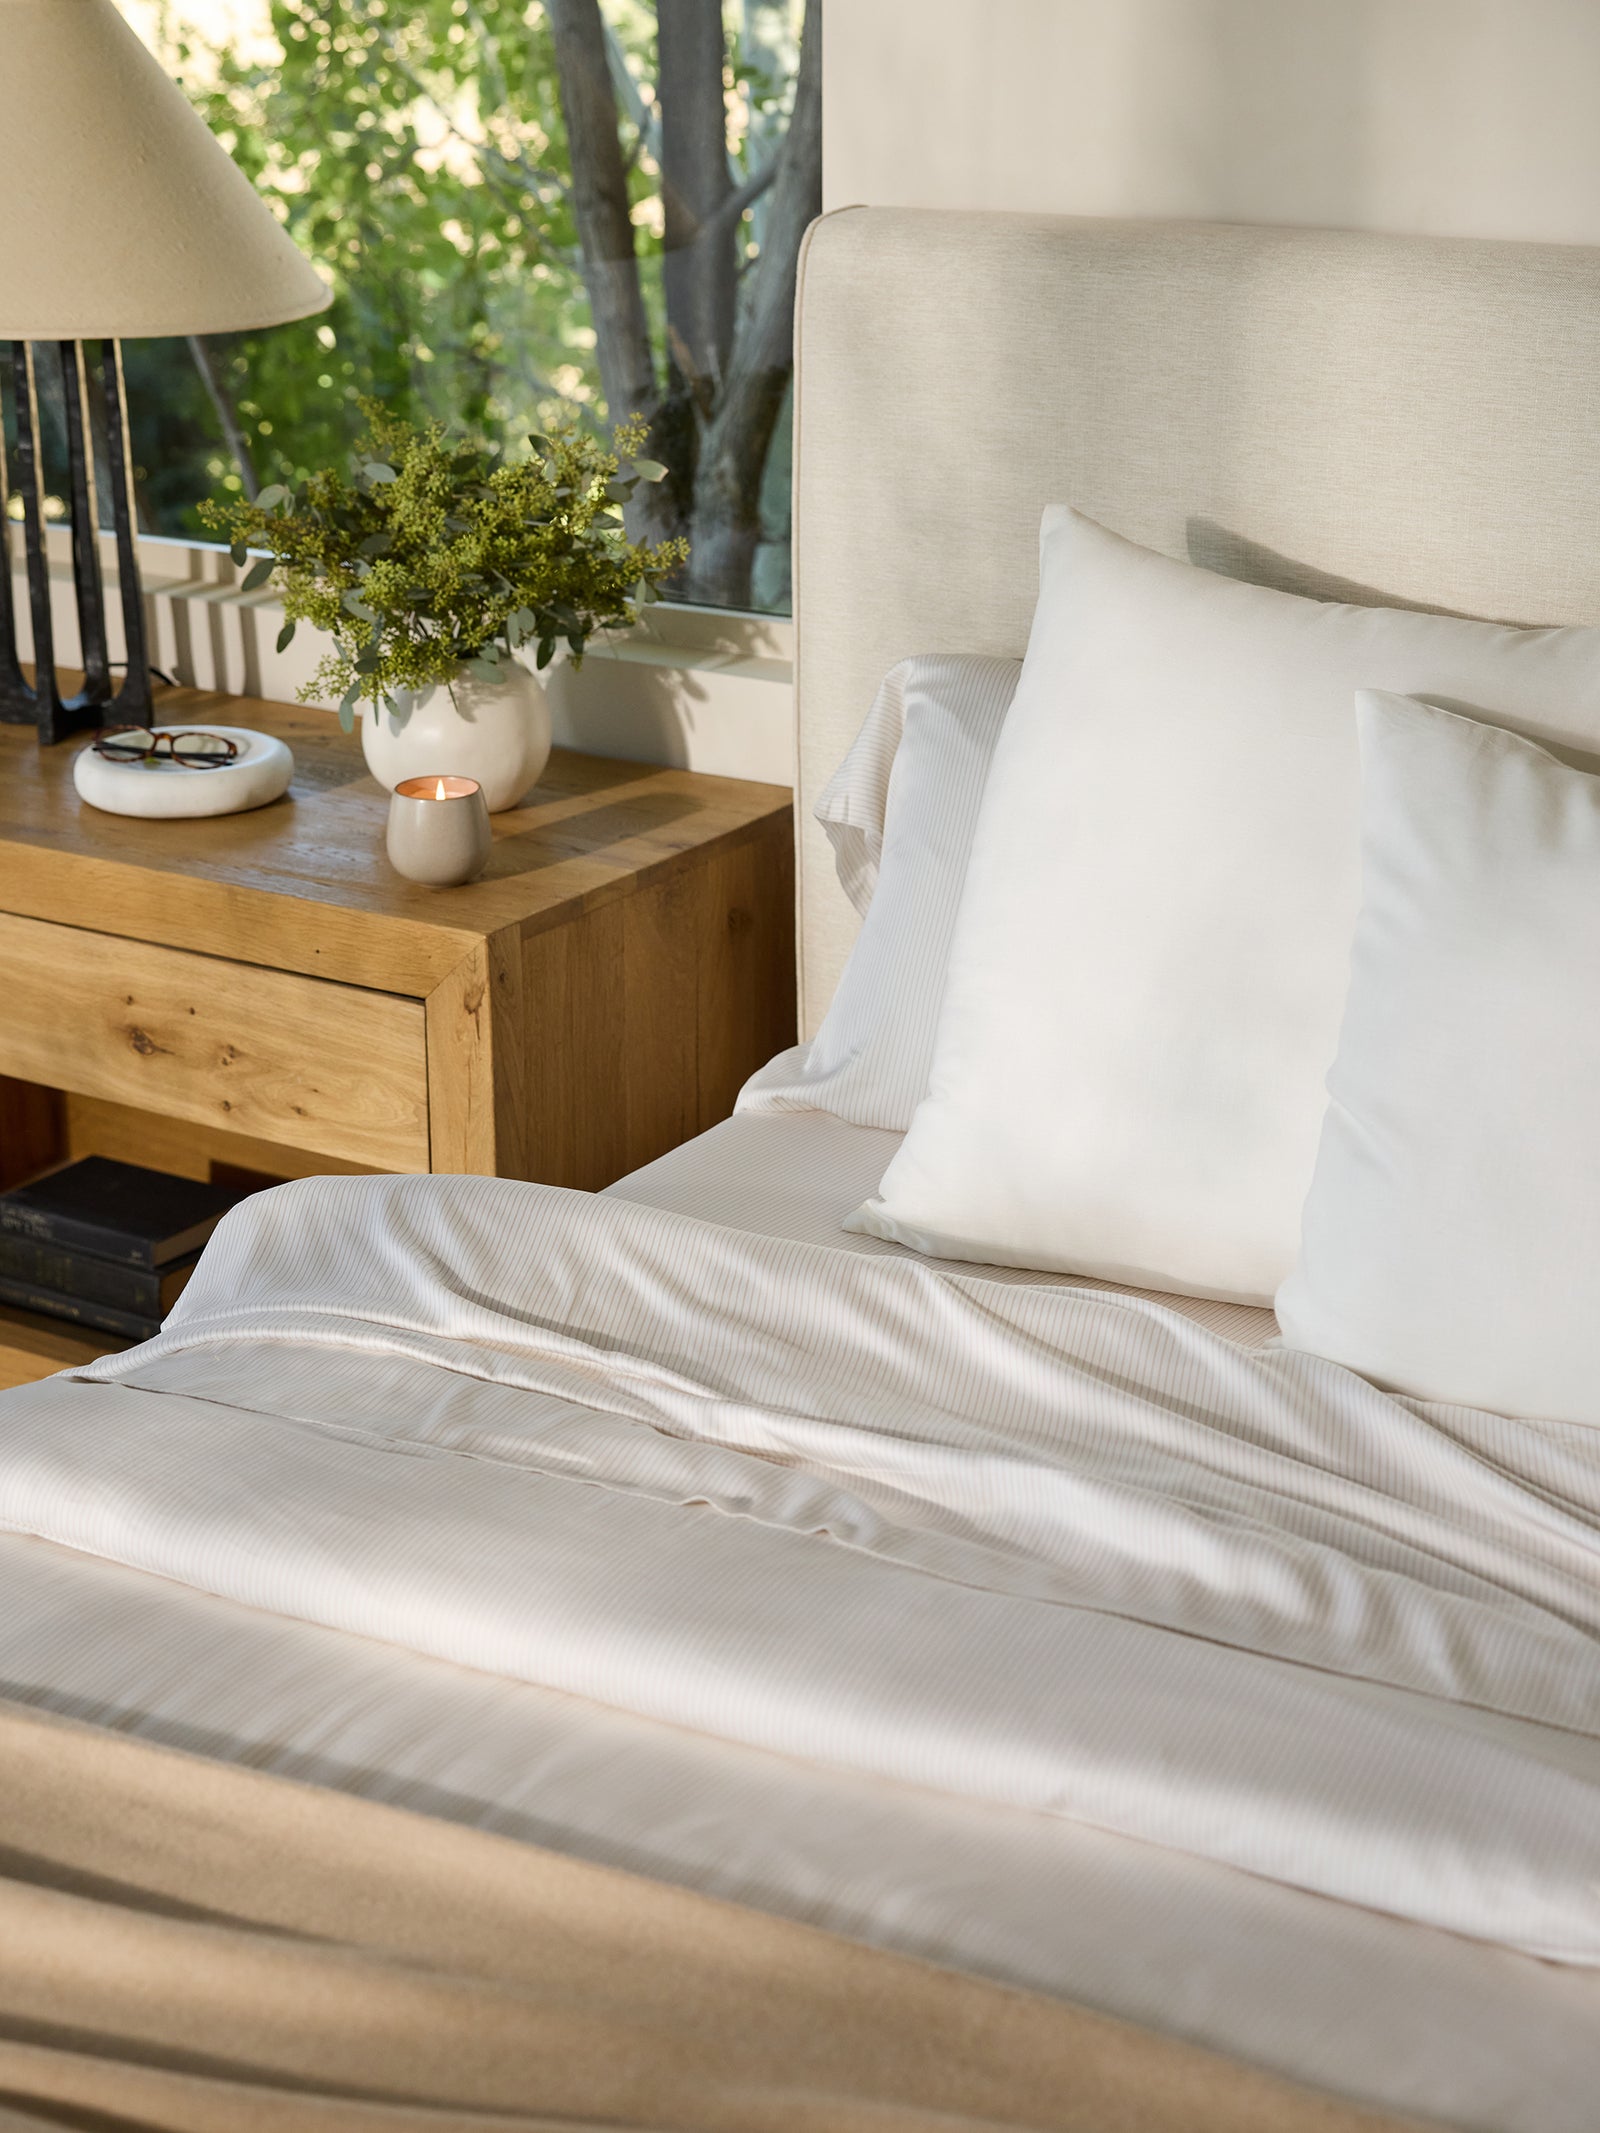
[(260, 996)]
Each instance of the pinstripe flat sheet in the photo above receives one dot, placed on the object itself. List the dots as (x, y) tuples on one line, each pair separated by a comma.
[(1037, 1546), (797, 1174)]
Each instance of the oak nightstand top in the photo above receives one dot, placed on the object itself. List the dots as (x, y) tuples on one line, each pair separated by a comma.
[(304, 885)]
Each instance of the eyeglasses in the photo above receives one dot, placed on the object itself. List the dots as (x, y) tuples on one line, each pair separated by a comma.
[(137, 744)]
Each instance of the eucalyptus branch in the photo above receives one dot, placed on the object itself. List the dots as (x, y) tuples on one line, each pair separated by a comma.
[(432, 556)]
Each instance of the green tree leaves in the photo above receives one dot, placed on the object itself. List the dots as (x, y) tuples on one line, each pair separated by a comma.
[(417, 153)]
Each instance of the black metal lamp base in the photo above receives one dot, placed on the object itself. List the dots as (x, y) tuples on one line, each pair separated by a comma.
[(99, 702)]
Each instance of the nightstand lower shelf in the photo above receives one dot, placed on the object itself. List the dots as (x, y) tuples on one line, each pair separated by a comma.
[(32, 1346)]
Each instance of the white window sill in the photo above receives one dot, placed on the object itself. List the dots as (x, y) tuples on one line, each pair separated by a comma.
[(694, 687)]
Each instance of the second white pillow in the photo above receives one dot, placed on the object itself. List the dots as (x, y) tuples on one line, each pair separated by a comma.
[(1151, 956), (1452, 1234), (900, 811)]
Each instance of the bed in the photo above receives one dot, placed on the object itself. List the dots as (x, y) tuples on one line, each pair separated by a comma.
[(1354, 416)]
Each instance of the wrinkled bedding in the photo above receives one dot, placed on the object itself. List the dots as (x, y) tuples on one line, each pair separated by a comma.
[(1051, 1548), (187, 1947)]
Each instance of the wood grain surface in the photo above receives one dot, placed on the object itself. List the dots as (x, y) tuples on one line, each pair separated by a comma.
[(304, 884), (93, 1126), (261, 996), (263, 1052), (32, 1347)]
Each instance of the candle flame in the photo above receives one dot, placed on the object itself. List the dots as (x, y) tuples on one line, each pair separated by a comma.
[(440, 793)]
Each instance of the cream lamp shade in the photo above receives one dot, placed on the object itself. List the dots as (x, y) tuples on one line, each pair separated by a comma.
[(120, 213), (120, 218)]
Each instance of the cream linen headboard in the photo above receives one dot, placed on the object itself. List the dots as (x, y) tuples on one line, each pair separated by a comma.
[(1405, 419)]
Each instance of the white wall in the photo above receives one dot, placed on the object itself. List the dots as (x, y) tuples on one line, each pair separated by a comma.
[(1450, 117)]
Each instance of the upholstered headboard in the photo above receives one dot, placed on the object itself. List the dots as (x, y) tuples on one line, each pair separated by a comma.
[(1370, 418)]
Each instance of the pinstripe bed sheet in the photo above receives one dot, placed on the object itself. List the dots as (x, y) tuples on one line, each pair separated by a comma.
[(1305, 1985), (791, 1174)]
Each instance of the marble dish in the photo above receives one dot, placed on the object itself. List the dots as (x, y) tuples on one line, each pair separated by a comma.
[(159, 787)]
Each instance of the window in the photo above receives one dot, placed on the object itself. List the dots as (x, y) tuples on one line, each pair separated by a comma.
[(589, 207)]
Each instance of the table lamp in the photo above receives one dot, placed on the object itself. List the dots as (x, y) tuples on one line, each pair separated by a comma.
[(120, 216)]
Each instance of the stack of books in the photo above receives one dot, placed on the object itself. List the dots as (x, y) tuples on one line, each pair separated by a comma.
[(107, 1245)]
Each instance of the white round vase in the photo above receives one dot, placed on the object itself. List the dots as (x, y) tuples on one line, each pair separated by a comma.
[(497, 732)]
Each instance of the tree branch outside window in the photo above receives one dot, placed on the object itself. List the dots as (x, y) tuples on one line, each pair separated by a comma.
[(589, 206)]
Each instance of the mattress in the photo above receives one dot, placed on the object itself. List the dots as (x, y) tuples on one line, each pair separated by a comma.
[(1325, 1992), (798, 1174)]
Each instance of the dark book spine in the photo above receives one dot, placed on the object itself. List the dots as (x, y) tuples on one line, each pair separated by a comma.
[(74, 1235), (100, 1318), (96, 1281)]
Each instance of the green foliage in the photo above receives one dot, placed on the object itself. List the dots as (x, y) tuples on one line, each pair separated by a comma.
[(417, 154), (435, 555)]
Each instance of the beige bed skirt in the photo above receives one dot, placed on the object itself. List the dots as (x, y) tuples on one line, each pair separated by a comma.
[(188, 1945)]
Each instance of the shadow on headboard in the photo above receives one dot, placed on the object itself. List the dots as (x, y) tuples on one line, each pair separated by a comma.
[(1234, 555), (1420, 415)]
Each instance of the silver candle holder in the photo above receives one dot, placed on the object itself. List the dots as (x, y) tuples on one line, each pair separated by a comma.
[(438, 830)]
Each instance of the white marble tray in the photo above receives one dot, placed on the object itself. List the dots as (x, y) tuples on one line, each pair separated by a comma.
[(259, 773)]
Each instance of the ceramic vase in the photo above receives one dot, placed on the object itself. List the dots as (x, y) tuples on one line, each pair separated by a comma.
[(496, 732)]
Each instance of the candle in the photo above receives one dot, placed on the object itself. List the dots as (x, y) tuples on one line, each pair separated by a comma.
[(438, 830)]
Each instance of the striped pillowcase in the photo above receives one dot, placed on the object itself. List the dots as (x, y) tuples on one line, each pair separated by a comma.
[(900, 812)]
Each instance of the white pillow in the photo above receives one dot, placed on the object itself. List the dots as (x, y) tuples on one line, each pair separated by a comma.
[(918, 768), (1451, 1244), (854, 804), (1150, 961)]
